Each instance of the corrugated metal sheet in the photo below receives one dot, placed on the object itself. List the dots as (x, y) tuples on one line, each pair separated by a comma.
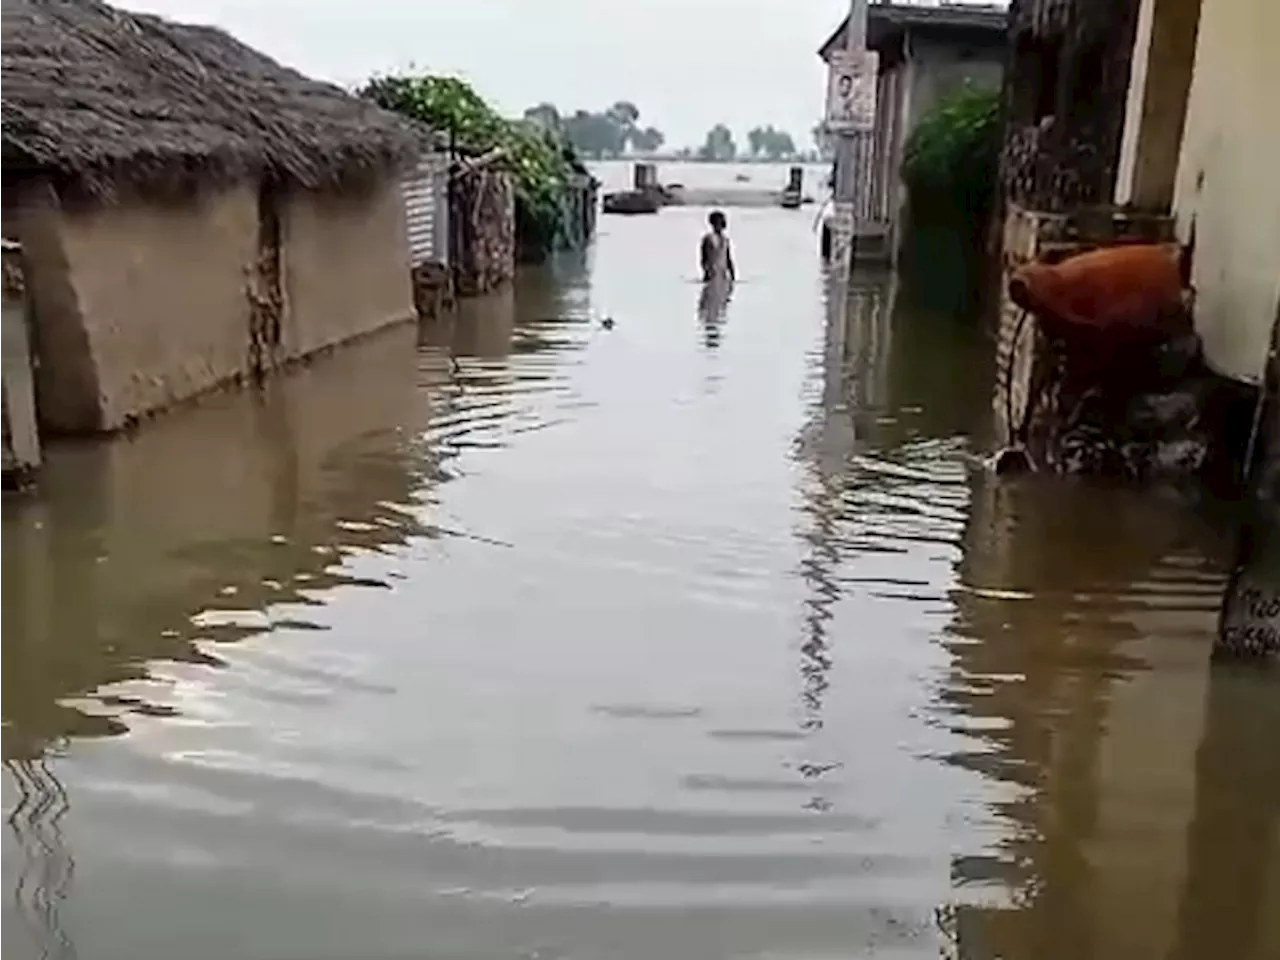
[(427, 210)]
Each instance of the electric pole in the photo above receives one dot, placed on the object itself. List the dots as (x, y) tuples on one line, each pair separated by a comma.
[(853, 139)]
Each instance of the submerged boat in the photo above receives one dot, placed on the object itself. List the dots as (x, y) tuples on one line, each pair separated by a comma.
[(632, 202)]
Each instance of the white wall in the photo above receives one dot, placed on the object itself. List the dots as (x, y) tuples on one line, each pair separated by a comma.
[(1228, 182), (1160, 72)]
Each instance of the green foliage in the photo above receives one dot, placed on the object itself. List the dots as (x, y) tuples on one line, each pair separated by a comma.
[(536, 154), (951, 159), (950, 167)]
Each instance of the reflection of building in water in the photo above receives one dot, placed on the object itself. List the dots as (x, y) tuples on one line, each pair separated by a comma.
[(867, 340), (857, 318), (1084, 624), (250, 505), (243, 502), (1230, 904), (41, 864)]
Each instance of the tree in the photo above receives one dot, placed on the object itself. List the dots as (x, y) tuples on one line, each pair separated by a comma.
[(538, 157), (594, 134), (624, 113), (719, 146), (546, 116), (648, 140), (608, 133), (770, 144)]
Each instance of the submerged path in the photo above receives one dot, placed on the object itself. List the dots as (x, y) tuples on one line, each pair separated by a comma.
[(681, 639)]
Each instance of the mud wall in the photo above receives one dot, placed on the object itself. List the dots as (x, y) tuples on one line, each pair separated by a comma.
[(1065, 92), (138, 306), (482, 219), (346, 266)]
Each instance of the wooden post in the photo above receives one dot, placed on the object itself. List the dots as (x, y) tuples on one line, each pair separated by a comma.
[(21, 431)]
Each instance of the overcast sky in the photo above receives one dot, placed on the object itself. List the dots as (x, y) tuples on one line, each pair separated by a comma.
[(687, 64)]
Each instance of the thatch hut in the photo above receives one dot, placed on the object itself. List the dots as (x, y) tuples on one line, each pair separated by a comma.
[(191, 211)]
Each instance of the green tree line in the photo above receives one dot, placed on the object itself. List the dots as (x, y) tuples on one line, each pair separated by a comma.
[(617, 131)]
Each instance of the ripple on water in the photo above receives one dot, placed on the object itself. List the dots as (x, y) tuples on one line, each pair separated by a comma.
[(531, 643)]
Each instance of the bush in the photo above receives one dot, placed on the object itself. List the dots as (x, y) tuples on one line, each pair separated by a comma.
[(538, 159), (950, 167), (951, 159)]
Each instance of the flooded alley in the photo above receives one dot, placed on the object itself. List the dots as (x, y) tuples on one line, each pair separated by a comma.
[(694, 636)]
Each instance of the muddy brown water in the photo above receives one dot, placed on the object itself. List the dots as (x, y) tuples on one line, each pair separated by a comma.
[(696, 637)]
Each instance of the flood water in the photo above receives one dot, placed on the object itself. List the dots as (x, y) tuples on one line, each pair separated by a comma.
[(697, 638)]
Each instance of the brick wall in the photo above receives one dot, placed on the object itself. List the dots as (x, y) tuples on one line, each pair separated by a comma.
[(1065, 92)]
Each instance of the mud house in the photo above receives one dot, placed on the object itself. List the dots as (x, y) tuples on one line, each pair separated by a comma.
[(190, 211)]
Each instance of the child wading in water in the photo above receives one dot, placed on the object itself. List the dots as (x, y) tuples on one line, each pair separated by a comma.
[(717, 258)]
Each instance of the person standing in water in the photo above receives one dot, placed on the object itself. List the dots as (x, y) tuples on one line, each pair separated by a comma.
[(718, 275), (717, 258)]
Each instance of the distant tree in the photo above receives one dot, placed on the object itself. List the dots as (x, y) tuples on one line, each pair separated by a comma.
[(784, 148), (546, 116), (718, 146), (770, 144), (648, 140), (624, 113), (608, 133), (594, 134)]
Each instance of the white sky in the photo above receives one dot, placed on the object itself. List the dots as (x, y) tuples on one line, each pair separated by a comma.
[(687, 64)]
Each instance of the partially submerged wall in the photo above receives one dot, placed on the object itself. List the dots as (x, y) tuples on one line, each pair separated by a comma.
[(138, 306), (346, 266), (482, 218)]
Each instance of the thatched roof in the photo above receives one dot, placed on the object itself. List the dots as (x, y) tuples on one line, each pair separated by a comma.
[(101, 97)]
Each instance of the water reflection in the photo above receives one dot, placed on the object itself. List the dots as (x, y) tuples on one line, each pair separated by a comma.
[(1084, 621), (713, 303), (235, 518), (1228, 903), (42, 874), (221, 522), (579, 643)]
